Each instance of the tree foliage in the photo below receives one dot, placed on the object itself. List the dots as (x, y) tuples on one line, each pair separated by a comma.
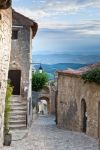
[(39, 80), (92, 76), (7, 106)]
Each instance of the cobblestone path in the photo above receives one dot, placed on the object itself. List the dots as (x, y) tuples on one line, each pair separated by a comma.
[(44, 135)]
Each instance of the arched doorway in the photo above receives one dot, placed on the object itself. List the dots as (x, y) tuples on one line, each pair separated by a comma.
[(84, 115), (44, 105)]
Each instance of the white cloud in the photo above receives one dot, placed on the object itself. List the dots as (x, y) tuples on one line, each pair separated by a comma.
[(90, 28), (30, 13), (47, 9), (67, 6), (86, 27)]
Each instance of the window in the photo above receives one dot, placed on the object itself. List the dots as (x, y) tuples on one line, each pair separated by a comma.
[(15, 34)]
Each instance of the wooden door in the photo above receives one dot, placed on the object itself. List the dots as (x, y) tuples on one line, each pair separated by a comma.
[(15, 77)]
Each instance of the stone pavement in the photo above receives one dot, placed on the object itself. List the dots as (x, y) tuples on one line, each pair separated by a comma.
[(44, 135)]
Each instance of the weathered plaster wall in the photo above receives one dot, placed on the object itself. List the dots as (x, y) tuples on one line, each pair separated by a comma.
[(5, 48), (71, 90), (21, 57), (29, 112), (53, 97)]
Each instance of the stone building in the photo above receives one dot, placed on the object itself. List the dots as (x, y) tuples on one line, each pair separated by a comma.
[(5, 48), (53, 91), (78, 103), (20, 70), (48, 94)]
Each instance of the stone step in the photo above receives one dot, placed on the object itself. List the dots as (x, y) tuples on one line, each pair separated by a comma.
[(18, 108), (17, 99), (14, 113), (17, 122), (17, 117), (13, 98), (18, 104), (16, 126)]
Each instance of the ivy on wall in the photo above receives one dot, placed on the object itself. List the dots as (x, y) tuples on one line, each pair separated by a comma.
[(7, 107), (92, 75)]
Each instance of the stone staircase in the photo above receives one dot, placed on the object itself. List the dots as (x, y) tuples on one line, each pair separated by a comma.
[(18, 113)]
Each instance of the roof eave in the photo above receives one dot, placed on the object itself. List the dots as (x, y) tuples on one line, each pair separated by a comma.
[(34, 29), (31, 23), (4, 4)]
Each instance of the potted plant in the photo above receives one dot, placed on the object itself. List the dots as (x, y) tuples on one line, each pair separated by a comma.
[(7, 135)]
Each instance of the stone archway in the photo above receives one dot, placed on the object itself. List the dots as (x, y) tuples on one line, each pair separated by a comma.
[(84, 115), (48, 102)]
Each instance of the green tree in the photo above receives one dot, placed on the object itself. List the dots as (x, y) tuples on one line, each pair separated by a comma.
[(39, 80), (92, 75)]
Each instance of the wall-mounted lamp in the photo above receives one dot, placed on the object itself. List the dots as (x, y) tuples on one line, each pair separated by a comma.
[(40, 69)]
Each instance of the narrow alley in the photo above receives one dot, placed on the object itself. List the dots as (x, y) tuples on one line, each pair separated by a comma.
[(44, 135)]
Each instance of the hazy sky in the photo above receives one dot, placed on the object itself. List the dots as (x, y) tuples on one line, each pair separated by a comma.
[(64, 25)]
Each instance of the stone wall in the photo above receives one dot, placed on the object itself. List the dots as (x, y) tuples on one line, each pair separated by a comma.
[(21, 57), (5, 48), (53, 97), (49, 94), (71, 91)]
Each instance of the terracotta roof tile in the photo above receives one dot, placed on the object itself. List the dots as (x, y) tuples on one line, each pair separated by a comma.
[(80, 71)]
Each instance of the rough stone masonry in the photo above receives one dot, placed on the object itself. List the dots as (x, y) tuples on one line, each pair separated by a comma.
[(5, 48), (78, 103)]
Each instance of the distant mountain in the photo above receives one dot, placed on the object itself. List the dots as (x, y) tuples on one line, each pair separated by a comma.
[(51, 69), (67, 58), (53, 62)]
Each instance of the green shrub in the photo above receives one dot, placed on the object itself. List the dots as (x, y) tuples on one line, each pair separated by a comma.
[(7, 107), (92, 76), (39, 80)]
